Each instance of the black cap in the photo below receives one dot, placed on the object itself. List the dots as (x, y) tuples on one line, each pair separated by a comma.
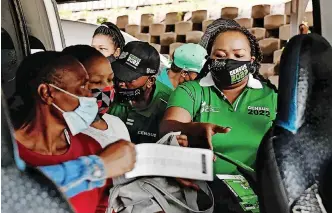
[(137, 59)]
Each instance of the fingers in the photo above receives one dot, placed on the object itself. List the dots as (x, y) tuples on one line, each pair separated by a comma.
[(220, 129), (187, 183), (182, 140), (209, 140)]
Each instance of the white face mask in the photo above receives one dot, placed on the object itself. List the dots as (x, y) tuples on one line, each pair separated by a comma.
[(83, 116)]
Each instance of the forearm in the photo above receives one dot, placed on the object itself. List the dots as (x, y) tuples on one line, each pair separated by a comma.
[(167, 126), (195, 137), (79, 175)]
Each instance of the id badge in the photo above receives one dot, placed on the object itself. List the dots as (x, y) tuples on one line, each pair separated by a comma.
[(241, 190)]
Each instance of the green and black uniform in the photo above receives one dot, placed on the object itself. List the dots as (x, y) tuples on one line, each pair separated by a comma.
[(143, 124), (250, 116)]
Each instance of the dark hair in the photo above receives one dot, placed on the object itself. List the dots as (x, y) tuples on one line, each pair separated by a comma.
[(38, 68), (175, 68), (82, 52), (301, 25), (111, 30), (254, 46)]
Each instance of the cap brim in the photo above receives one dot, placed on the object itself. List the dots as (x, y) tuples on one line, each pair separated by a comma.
[(124, 73)]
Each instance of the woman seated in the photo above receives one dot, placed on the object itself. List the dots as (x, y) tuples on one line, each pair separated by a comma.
[(53, 88)]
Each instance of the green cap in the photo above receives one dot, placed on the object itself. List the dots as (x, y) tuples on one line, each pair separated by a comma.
[(190, 57)]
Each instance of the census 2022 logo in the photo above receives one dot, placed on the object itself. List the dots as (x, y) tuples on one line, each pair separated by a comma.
[(253, 110)]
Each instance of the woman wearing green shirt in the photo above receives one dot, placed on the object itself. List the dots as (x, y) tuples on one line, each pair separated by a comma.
[(232, 106)]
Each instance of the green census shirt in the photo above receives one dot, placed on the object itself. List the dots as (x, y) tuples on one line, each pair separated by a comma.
[(250, 116), (143, 124)]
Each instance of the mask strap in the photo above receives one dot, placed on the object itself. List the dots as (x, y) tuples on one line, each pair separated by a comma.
[(53, 104), (62, 90)]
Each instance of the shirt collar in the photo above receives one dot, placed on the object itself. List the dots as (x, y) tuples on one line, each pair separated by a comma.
[(253, 83)]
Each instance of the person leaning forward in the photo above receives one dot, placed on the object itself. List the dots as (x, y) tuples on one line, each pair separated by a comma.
[(231, 94), (140, 99)]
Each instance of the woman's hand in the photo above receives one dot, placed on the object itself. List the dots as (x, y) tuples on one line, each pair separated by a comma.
[(118, 158), (206, 131), (187, 183), (182, 140), (177, 119)]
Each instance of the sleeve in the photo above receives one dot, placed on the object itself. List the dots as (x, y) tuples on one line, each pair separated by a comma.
[(273, 109), (184, 97), (76, 176), (275, 100)]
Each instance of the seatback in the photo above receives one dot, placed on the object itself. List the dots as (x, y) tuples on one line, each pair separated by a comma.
[(296, 151), (23, 188)]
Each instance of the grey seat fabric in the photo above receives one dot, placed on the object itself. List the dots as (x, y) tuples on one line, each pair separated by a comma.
[(293, 157), (23, 188)]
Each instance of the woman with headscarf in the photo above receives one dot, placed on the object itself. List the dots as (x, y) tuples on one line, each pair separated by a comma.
[(231, 98)]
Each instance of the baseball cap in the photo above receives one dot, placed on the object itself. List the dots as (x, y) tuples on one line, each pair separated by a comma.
[(190, 57), (137, 59)]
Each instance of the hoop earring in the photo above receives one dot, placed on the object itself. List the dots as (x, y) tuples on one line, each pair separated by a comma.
[(253, 67)]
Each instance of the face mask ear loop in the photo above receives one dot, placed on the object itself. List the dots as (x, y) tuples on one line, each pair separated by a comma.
[(64, 91), (53, 104)]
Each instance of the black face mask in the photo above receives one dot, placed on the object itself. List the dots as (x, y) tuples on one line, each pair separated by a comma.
[(227, 72), (125, 95)]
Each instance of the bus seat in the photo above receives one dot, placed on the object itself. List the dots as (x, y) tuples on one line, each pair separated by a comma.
[(295, 153), (24, 188)]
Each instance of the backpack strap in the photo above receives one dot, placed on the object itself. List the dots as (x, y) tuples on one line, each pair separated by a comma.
[(151, 187)]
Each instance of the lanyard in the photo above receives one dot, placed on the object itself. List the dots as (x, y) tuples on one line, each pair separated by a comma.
[(234, 162)]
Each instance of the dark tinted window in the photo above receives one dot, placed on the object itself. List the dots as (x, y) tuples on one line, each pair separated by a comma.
[(9, 63)]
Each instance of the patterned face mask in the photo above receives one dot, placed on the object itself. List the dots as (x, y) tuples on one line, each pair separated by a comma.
[(104, 98)]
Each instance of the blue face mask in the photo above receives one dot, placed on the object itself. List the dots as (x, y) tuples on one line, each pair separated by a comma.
[(83, 116)]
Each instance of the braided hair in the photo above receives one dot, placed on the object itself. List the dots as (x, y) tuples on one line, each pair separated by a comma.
[(111, 30), (223, 25)]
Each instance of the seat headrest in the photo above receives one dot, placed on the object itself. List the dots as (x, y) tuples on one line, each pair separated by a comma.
[(20, 182), (304, 74), (296, 150), (9, 154)]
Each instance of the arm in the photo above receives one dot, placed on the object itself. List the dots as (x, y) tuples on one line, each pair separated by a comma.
[(180, 110), (76, 176), (89, 172), (182, 107), (176, 119)]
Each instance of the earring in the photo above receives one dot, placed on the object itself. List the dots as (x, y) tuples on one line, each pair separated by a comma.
[(253, 67)]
